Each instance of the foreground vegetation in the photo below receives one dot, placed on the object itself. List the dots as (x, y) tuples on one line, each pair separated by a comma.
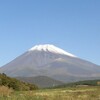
[(69, 93), (13, 89)]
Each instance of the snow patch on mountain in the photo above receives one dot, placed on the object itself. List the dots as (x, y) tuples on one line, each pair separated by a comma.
[(50, 48)]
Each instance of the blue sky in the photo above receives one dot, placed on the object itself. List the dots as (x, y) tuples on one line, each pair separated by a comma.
[(73, 25)]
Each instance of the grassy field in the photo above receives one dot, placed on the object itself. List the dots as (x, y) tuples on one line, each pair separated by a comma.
[(69, 93)]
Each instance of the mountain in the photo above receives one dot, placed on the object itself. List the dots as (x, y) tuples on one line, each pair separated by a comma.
[(51, 61), (41, 81)]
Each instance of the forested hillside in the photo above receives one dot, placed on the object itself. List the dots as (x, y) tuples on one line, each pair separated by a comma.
[(15, 84), (81, 83)]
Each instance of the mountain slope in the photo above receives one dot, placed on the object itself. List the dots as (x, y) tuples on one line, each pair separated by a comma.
[(51, 61)]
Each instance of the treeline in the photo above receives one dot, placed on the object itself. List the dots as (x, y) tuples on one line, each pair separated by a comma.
[(15, 84), (81, 83)]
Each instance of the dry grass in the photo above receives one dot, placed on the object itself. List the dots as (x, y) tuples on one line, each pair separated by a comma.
[(5, 91), (77, 93)]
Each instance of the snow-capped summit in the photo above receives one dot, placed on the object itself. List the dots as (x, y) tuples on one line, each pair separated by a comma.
[(50, 48)]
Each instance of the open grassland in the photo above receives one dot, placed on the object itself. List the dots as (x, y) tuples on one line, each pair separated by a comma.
[(69, 93)]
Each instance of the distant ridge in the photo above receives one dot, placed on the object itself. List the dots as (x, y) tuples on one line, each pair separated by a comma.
[(41, 81), (85, 83)]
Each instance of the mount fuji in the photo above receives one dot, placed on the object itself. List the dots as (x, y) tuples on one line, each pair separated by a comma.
[(51, 61)]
